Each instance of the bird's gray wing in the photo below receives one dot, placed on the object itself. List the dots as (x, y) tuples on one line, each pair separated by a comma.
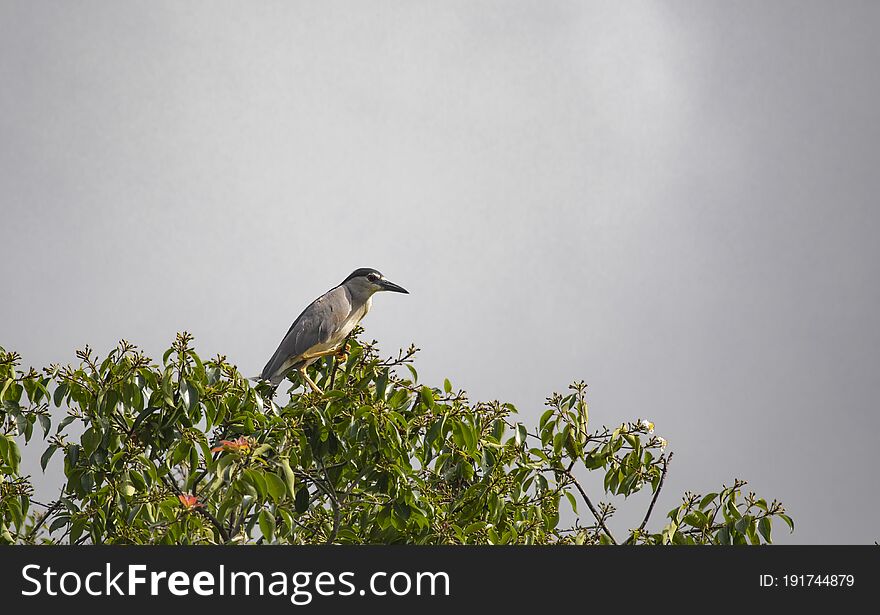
[(314, 326)]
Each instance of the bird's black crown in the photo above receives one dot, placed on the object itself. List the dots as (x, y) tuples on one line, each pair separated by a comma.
[(361, 273)]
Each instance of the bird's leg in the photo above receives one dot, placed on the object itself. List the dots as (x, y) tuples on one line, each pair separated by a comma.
[(340, 355), (333, 371), (311, 382), (318, 355)]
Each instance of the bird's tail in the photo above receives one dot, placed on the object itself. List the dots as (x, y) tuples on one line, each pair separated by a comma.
[(273, 381)]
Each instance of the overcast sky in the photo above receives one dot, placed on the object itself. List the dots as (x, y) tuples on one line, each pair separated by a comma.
[(676, 202)]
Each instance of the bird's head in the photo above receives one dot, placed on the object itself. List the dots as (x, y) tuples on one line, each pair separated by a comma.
[(368, 281)]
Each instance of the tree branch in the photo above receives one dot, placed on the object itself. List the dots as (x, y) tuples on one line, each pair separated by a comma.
[(593, 510), (653, 501), (50, 510), (201, 510), (334, 502)]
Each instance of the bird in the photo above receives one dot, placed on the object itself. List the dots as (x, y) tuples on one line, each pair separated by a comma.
[(323, 327)]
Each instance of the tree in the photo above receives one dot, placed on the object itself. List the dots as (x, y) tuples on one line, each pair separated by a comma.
[(191, 452)]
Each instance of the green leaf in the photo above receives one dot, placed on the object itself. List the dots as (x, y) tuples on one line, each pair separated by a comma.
[(137, 480), (29, 428), (90, 440), (9, 382), (180, 452), (267, 524), (67, 420), (45, 423), (697, 519), (402, 510), (572, 501), (471, 437), (72, 453), (381, 384), (521, 434), (301, 502), (447, 386), (21, 422), (256, 479), (289, 477), (435, 430), (76, 529), (787, 520), (707, 499), (59, 522), (47, 455), (87, 482), (191, 396), (427, 397), (13, 455), (13, 506), (764, 528), (60, 393), (275, 485)]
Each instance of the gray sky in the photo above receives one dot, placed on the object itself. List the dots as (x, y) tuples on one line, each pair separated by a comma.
[(676, 202)]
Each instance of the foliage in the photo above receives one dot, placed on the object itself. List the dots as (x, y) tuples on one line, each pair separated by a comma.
[(190, 451)]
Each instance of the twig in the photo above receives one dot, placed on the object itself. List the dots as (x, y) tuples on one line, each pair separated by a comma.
[(49, 511), (333, 367), (334, 503), (590, 505), (201, 510), (653, 500), (217, 525), (237, 527)]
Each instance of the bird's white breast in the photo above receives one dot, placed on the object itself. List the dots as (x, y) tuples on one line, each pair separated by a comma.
[(351, 322), (348, 325)]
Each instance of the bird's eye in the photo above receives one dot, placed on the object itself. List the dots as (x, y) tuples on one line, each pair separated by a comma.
[(373, 277)]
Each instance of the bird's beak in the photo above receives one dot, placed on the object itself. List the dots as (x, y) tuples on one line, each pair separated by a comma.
[(386, 285)]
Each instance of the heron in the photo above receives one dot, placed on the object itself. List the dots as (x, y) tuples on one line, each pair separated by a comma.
[(323, 327)]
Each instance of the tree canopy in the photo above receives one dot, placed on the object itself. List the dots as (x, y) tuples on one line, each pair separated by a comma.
[(191, 452)]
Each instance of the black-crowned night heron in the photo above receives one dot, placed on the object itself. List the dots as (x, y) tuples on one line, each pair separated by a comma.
[(323, 327)]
